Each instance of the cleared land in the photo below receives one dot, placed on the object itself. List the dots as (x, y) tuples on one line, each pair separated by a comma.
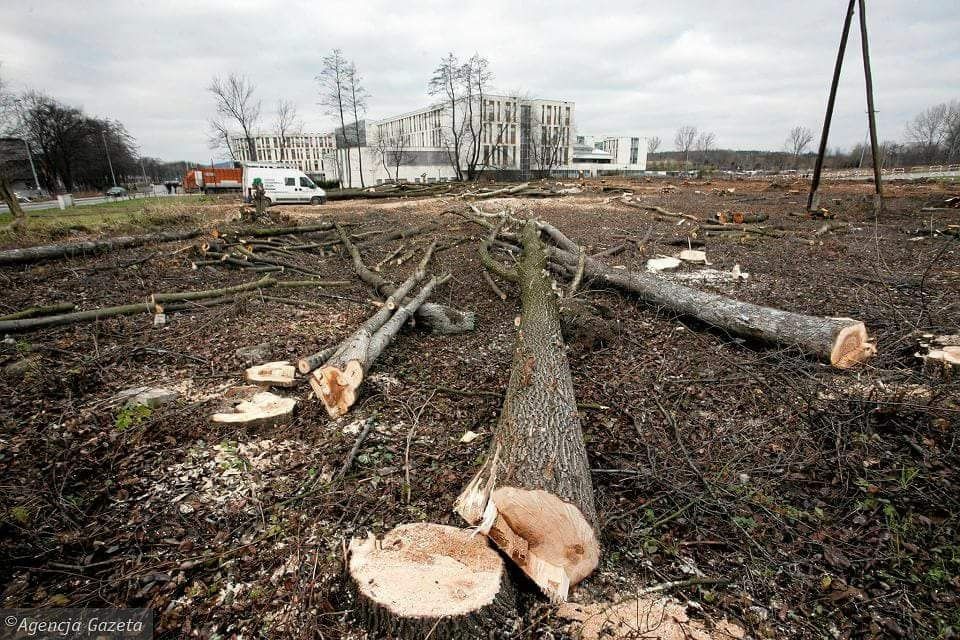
[(792, 498)]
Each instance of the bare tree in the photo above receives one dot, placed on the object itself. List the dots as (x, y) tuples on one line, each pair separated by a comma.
[(547, 144), (218, 137), (393, 153), (285, 124), (952, 140), (797, 142), (333, 92), (357, 103), (446, 83), (475, 76), (683, 141), (929, 130), (236, 103), (7, 108), (705, 142), (653, 144)]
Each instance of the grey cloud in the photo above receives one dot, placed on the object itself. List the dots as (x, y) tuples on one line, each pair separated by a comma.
[(746, 70)]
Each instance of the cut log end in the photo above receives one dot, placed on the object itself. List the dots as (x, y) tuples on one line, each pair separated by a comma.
[(263, 409), (548, 538), (851, 346), (422, 577), (276, 374), (337, 388)]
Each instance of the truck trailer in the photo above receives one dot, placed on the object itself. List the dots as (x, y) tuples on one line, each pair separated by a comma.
[(210, 180)]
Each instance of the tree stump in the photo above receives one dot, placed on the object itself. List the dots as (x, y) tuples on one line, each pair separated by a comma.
[(433, 580)]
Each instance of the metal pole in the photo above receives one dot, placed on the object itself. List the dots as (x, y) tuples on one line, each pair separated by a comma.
[(815, 184), (103, 135), (872, 113), (36, 181)]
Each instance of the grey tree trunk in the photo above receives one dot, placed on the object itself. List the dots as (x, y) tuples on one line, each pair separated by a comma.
[(843, 342), (55, 251), (533, 497)]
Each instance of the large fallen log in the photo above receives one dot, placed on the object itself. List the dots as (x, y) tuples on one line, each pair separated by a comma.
[(843, 342), (438, 318), (54, 251), (533, 496), (336, 382)]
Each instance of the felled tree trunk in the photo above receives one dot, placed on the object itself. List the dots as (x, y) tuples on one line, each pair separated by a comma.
[(843, 342), (533, 497), (336, 382), (54, 251), (429, 580), (438, 318)]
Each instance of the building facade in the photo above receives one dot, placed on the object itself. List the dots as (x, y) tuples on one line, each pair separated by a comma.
[(508, 136), (312, 153)]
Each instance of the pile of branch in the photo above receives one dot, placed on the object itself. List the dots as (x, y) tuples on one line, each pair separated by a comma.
[(277, 249), (438, 318)]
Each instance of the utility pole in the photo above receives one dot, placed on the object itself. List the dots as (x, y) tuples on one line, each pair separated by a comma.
[(36, 181), (103, 135), (814, 201), (872, 113)]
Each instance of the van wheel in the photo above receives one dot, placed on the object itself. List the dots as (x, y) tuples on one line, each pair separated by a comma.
[(268, 202), (315, 200)]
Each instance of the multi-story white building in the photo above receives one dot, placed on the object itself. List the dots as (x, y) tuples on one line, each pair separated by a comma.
[(507, 135), (312, 153)]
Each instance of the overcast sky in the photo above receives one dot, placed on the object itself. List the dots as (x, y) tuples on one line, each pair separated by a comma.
[(746, 70)]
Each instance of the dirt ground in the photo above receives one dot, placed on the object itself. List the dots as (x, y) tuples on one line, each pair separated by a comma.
[(805, 502)]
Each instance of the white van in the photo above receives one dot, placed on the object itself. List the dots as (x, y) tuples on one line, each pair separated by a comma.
[(281, 185)]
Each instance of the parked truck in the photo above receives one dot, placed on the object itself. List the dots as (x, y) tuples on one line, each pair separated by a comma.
[(210, 180)]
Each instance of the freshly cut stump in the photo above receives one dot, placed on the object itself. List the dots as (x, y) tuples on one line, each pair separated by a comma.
[(429, 579)]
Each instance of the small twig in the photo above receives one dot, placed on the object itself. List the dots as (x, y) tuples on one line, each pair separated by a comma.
[(356, 447), (664, 586), (493, 285)]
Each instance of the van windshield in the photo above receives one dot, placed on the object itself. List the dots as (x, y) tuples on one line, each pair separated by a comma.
[(306, 182)]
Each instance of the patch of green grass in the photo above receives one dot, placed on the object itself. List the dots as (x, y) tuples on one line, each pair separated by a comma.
[(121, 216), (130, 416), (20, 514)]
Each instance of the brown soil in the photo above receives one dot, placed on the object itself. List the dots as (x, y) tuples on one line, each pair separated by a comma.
[(827, 501)]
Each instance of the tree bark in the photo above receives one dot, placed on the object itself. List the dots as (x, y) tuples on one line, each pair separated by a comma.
[(429, 580), (533, 496), (438, 318), (55, 251)]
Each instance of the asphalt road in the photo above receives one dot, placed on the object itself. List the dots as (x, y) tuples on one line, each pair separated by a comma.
[(80, 202)]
